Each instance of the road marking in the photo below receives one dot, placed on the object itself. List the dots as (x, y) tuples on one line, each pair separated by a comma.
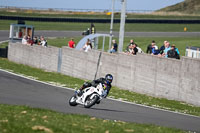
[(4, 41), (26, 77)]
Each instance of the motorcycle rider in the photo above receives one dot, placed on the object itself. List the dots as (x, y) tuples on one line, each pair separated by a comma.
[(106, 82)]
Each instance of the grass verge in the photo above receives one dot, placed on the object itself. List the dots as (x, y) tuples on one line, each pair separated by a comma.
[(23, 119), (3, 45), (130, 27), (115, 92)]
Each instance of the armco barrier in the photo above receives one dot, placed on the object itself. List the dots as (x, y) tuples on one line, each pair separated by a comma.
[(166, 78)]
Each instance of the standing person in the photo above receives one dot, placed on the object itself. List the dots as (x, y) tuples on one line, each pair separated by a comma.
[(24, 40), (149, 47), (43, 41), (155, 50), (167, 48), (172, 53), (162, 48), (114, 47), (71, 43), (87, 46)]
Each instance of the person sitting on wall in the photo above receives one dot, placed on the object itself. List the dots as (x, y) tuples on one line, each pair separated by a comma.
[(114, 47), (71, 43), (43, 41)]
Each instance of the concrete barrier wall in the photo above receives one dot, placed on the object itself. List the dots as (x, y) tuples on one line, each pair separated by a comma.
[(78, 63), (36, 56), (146, 74)]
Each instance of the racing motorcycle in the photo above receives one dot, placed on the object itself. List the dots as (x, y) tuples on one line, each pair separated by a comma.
[(91, 96)]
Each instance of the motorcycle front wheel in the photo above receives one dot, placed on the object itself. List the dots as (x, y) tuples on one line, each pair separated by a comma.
[(72, 101), (90, 101)]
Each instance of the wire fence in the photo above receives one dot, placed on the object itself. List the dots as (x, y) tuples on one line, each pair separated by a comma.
[(75, 10)]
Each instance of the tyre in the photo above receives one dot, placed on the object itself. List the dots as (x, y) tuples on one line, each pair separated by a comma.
[(90, 102), (72, 101)]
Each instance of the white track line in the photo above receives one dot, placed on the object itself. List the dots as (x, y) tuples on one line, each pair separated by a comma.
[(4, 41), (26, 77)]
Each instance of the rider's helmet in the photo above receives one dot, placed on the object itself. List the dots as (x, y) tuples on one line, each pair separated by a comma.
[(109, 78)]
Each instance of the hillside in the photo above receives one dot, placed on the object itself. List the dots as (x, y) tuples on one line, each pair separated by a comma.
[(185, 7)]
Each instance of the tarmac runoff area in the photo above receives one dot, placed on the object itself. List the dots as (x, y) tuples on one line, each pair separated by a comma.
[(20, 90)]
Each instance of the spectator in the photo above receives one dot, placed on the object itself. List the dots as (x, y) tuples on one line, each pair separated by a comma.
[(139, 49), (43, 41), (177, 51), (154, 47), (35, 40), (172, 53), (134, 49), (149, 48), (162, 48), (131, 42), (71, 43), (114, 47), (29, 41), (87, 46), (167, 48), (24, 40)]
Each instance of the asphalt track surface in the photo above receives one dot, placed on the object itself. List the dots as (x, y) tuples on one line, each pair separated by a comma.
[(4, 34), (18, 90)]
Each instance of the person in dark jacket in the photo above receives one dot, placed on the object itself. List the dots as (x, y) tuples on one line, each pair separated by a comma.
[(106, 82), (172, 53), (149, 47), (131, 43), (162, 48)]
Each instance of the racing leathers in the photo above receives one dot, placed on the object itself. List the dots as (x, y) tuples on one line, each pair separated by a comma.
[(106, 85)]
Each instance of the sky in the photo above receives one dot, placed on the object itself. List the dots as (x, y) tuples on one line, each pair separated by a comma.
[(91, 4)]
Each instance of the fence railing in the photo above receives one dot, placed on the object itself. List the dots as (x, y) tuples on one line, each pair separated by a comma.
[(76, 10)]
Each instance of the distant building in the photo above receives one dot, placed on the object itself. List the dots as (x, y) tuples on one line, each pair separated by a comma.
[(193, 52)]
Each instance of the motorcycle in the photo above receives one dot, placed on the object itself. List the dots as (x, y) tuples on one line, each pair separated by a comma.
[(91, 96)]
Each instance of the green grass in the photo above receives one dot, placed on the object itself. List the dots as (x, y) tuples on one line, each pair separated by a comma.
[(3, 45), (134, 27), (115, 92), (187, 6), (23, 119), (180, 42)]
